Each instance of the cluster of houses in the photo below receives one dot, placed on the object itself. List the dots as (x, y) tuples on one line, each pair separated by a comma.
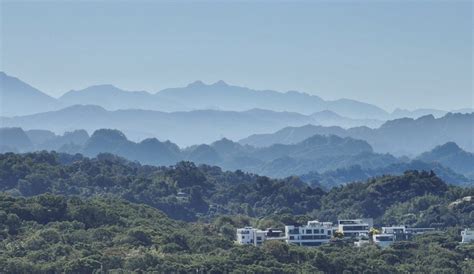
[(316, 233)]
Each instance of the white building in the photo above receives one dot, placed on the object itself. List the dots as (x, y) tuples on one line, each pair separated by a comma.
[(313, 234), (467, 236), (402, 232), (383, 240), (253, 236), (355, 227)]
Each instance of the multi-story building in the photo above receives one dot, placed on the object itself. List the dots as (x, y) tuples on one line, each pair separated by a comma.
[(253, 236), (355, 227), (402, 232), (467, 236), (313, 234)]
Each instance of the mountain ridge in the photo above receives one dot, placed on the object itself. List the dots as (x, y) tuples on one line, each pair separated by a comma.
[(399, 137), (209, 96)]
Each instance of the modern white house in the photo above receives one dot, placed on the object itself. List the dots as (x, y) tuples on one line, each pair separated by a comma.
[(402, 232), (253, 236), (313, 234), (383, 240), (355, 227), (467, 236)]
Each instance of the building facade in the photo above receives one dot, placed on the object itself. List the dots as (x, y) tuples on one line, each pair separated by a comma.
[(313, 234), (316, 233), (253, 236), (355, 227), (467, 236)]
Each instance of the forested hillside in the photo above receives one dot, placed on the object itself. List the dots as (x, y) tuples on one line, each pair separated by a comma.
[(106, 213), (189, 192), (50, 233)]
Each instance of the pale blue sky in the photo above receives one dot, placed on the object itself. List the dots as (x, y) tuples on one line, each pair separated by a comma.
[(407, 54)]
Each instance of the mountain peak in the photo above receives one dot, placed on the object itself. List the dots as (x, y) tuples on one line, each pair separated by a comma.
[(449, 147), (220, 83), (197, 83)]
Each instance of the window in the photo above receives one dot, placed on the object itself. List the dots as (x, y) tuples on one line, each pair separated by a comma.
[(243, 237), (294, 231), (292, 237), (329, 232), (354, 228), (309, 231)]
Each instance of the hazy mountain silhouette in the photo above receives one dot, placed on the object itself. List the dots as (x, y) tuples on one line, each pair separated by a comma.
[(452, 156), (401, 136), (221, 96), (23, 99), (113, 98), (315, 153), (325, 159), (148, 151), (14, 140), (18, 140), (330, 118), (19, 98), (185, 128), (403, 113), (198, 95)]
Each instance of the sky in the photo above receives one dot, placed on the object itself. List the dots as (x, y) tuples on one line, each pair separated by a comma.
[(395, 54)]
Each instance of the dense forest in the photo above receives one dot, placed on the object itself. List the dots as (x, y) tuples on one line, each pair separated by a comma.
[(51, 234), (71, 213)]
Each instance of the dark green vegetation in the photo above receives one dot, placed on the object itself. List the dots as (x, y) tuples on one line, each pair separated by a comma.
[(89, 222), (353, 173), (189, 192), (49, 233)]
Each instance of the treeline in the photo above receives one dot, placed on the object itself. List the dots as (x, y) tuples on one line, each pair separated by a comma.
[(189, 192)]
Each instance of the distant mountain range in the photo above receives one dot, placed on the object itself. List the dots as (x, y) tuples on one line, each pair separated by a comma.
[(327, 160), (24, 99), (184, 128), (404, 136)]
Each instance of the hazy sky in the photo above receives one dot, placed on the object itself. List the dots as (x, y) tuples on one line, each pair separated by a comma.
[(405, 54)]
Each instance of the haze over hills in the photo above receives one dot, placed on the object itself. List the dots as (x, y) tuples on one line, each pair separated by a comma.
[(325, 160), (198, 96), (113, 98), (452, 156), (206, 125), (229, 97), (405, 136)]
